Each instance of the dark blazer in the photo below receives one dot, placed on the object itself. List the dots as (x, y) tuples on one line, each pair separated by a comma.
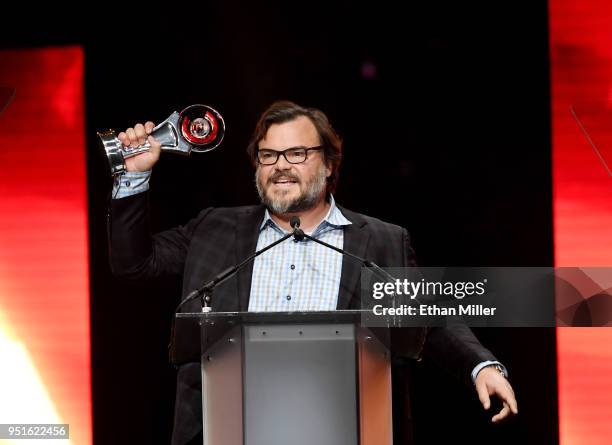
[(220, 237)]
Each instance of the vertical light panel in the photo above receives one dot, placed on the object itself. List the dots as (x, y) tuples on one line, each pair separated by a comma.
[(581, 73), (44, 277)]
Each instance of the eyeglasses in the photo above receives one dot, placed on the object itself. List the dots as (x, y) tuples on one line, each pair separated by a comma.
[(293, 155)]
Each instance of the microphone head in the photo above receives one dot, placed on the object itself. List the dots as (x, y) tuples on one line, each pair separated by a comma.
[(294, 221)]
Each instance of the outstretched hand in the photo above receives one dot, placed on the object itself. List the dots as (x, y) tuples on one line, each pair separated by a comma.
[(491, 382)]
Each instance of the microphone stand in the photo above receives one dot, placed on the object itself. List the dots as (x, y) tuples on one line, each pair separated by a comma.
[(300, 235), (205, 291)]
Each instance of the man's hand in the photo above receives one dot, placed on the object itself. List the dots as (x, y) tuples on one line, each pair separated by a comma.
[(133, 137), (492, 382)]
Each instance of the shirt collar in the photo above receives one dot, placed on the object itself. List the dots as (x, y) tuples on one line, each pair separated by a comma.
[(334, 218)]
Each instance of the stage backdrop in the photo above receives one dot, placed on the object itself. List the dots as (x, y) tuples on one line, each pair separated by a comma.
[(581, 64), (44, 276)]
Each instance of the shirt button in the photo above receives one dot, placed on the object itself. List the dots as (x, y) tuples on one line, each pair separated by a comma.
[(292, 266), (127, 183), (288, 297)]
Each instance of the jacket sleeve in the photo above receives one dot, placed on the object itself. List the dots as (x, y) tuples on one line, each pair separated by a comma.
[(457, 350), (137, 254), (454, 348)]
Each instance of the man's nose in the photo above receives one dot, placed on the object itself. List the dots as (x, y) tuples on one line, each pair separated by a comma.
[(281, 163)]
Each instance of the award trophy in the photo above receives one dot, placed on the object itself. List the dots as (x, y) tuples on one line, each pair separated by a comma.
[(197, 128)]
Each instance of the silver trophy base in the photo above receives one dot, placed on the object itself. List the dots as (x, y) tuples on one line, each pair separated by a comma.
[(114, 151)]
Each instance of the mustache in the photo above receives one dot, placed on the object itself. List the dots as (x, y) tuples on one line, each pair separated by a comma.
[(288, 175)]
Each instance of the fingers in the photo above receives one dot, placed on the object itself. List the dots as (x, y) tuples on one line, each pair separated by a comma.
[(155, 149), (141, 134), (155, 146), (513, 405), (489, 383), (504, 413), (133, 137), (483, 395), (504, 391), (124, 139), (133, 140), (507, 395)]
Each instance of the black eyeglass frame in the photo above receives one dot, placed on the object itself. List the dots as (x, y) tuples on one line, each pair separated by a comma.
[(284, 153)]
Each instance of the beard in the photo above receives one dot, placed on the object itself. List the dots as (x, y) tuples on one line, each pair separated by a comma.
[(280, 203)]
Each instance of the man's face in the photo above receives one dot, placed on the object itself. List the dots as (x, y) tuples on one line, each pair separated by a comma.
[(289, 188)]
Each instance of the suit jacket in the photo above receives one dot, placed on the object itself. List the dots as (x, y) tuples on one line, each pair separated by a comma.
[(220, 237)]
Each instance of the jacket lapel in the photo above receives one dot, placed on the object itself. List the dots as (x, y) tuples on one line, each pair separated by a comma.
[(247, 233), (356, 239)]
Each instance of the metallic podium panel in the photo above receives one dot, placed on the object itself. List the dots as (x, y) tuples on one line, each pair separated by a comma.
[(300, 385), (222, 391), (376, 421), (295, 379)]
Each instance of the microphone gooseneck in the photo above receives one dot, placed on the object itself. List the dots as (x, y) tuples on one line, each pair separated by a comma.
[(298, 233), (205, 291)]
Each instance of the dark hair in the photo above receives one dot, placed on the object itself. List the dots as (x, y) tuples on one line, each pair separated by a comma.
[(286, 111)]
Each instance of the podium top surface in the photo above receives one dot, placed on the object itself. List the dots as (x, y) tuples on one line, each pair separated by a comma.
[(339, 316), (203, 329)]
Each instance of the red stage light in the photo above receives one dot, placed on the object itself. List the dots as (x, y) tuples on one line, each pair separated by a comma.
[(581, 73), (44, 275)]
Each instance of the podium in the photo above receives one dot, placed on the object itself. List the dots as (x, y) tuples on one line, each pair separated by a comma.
[(292, 378)]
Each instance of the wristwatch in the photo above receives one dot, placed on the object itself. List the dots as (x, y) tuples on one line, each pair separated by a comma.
[(501, 370)]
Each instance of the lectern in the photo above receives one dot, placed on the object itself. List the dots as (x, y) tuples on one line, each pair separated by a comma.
[(279, 378)]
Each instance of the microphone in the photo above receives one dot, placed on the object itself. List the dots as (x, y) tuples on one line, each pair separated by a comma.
[(300, 235), (205, 291), (295, 225)]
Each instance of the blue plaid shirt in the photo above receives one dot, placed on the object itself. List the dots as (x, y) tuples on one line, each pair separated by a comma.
[(298, 276)]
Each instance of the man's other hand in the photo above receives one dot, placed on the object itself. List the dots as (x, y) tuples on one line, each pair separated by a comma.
[(491, 382)]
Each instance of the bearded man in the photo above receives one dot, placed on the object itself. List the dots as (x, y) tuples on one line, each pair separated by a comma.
[(296, 155)]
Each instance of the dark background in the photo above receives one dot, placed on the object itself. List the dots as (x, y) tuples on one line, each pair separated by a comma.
[(450, 138)]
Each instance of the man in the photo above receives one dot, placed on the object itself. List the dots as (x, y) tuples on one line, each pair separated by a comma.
[(296, 154)]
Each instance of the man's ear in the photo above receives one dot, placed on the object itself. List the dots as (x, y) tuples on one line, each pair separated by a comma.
[(328, 169)]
